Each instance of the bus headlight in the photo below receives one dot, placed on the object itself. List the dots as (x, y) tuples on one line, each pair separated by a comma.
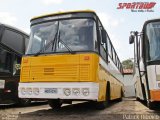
[(67, 91), (85, 91), (76, 91), (29, 91), (36, 91), (23, 91)]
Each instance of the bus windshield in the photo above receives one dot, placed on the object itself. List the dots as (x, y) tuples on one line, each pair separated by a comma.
[(77, 34), (153, 40)]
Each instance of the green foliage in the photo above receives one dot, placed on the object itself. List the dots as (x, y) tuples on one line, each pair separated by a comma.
[(127, 64)]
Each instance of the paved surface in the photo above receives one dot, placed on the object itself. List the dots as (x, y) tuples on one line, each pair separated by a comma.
[(128, 109)]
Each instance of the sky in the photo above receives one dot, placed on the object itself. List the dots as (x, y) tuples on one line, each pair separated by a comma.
[(117, 22)]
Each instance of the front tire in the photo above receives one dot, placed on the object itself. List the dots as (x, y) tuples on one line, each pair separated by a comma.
[(122, 94), (55, 104), (151, 105), (24, 102)]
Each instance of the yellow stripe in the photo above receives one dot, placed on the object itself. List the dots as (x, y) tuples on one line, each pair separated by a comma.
[(67, 12)]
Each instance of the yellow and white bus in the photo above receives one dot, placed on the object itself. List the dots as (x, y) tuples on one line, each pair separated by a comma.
[(70, 57), (147, 63)]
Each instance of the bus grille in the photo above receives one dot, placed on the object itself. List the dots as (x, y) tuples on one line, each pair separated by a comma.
[(58, 73), (25, 73), (84, 72)]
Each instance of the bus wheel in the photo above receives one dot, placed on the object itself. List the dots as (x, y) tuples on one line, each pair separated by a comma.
[(137, 98), (121, 98), (151, 105), (55, 104), (24, 102), (103, 104)]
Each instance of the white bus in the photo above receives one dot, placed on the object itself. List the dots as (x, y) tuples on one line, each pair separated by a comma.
[(147, 62)]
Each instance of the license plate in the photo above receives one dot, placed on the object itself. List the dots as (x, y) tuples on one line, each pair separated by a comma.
[(50, 90)]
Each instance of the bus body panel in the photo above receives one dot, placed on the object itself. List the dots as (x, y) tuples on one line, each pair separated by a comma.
[(152, 77), (60, 87), (154, 82), (112, 75), (59, 68), (138, 89), (9, 91), (76, 68), (154, 88)]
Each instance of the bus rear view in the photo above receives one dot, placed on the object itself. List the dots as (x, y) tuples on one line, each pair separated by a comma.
[(61, 62)]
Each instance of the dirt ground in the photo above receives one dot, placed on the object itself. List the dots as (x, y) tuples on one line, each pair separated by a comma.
[(128, 109)]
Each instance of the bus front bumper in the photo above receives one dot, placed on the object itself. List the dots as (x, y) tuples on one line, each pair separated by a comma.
[(59, 90)]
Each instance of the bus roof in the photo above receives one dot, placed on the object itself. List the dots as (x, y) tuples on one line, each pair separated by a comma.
[(67, 12), (151, 20), (2, 24)]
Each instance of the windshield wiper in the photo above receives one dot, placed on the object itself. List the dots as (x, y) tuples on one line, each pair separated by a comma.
[(68, 48), (46, 46), (54, 43), (51, 42)]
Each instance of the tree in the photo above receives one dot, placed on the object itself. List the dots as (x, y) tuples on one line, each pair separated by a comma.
[(127, 64)]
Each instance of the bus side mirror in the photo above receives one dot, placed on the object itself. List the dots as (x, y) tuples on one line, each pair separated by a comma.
[(104, 36), (131, 39)]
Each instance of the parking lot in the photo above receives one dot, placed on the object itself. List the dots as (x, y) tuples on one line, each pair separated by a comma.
[(129, 108)]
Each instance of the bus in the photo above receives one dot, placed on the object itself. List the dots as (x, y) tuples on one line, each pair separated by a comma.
[(147, 63), (13, 43), (70, 57)]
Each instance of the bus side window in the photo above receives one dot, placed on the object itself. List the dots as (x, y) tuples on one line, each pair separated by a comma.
[(5, 61), (26, 42), (103, 52), (139, 56), (13, 40), (113, 52), (95, 38), (109, 48), (141, 48), (103, 47)]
